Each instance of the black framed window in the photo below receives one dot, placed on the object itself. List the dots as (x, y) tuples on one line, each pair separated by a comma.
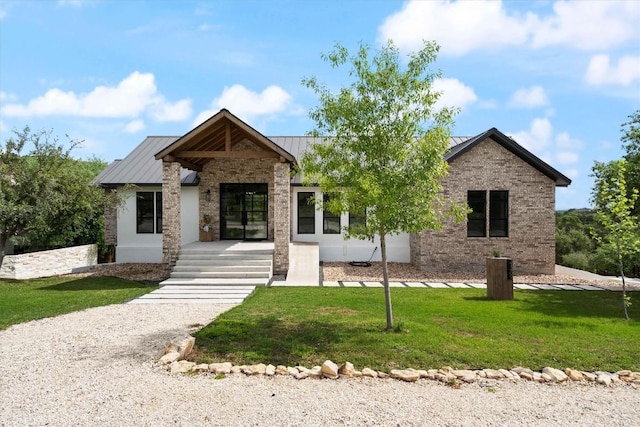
[(498, 214), (477, 218), (306, 213), (330, 221), (148, 212), (356, 219)]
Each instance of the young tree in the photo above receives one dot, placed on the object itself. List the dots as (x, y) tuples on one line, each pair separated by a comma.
[(46, 199), (384, 155), (614, 209)]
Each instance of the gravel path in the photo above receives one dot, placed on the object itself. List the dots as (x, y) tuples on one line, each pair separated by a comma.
[(96, 367)]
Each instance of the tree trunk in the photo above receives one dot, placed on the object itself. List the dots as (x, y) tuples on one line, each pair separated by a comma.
[(385, 281), (624, 287)]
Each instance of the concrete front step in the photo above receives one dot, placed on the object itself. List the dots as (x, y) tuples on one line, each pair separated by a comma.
[(222, 261), (266, 269), (219, 275), (196, 294), (229, 255), (215, 282)]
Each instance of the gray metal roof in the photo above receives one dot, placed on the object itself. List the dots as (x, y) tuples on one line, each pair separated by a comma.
[(141, 168)]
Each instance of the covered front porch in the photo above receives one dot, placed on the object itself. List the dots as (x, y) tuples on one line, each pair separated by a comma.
[(244, 187)]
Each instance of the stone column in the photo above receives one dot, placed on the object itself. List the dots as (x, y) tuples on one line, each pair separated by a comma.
[(282, 217), (170, 212), (110, 219)]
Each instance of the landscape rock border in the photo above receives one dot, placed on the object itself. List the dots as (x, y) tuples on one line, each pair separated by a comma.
[(176, 353)]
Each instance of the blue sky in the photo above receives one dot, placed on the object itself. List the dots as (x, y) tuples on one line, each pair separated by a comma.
[(559, 77)]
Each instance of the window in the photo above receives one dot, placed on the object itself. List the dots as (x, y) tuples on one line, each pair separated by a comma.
[(498, 214), (330, 221), (149, 212), (477, 218), (356, 219), (306, 213)]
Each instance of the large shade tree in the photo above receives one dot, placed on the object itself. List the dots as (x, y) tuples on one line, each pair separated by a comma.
[(46, 196), (383, 157)]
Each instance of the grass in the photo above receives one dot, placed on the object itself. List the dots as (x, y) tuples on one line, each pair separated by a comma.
[(24, 300), (447, 327)]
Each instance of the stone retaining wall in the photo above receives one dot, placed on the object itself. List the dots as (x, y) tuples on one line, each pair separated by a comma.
[(48, 263)]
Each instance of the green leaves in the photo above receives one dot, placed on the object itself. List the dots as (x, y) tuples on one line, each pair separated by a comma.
[(614, 210), (386, 144), (46, 199)]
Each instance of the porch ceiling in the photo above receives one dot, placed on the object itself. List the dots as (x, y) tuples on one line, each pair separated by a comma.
[(216, 138)]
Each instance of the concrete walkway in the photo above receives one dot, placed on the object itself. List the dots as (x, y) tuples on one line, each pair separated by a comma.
[(304, 264)]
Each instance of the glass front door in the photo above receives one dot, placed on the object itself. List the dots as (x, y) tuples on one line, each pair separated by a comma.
[(243, 211)]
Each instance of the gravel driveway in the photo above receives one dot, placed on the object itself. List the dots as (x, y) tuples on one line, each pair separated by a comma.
[(95, 367)]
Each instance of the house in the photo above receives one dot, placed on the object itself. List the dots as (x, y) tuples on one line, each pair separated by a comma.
[(241, 182)]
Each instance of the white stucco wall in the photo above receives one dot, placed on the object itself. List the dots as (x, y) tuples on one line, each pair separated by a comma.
[(147, 247), (140, 247), (334, 247)]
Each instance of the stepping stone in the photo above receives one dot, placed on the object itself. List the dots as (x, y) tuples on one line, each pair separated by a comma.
[(415, 284), (373, 284), (568, 287), (545, 287), (524, 286), (457, 285), (397, 285), (478, 285), (352, 284), (331, 284), (436, 285), (589, 288)]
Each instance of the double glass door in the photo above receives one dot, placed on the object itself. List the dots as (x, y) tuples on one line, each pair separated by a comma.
[(243, 211)]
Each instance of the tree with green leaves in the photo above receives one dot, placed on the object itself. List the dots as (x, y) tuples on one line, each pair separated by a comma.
[(383, 158), (614, 210), (46, 196)]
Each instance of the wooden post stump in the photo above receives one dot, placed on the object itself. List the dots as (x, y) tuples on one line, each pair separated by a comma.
[(499, 278)]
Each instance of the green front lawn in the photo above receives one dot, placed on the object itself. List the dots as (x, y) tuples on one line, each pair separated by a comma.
[(24, 300), (440, 327)]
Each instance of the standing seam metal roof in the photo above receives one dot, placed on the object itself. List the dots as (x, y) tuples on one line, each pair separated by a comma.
[(141, 168)]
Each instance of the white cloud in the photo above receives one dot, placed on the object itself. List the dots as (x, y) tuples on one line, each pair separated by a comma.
[(602, 72), (163, 111), (248, 104), (566, 157), (572, 173), (564, 141), (133, 96), (464, 26), (589, 25), (537, 137), (459, 27), (134, 126), (3, 13), (3, 127), (453, 93), (560, 148), (532, 97)]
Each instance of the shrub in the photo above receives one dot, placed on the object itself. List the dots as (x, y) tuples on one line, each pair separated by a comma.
[(579, 260)]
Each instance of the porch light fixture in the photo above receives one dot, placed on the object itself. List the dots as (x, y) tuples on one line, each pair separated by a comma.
[(208, 195)]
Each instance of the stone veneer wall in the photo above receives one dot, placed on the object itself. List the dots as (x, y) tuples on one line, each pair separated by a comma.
[(531, 242), (110, 222), (230, 171), (282, 211), (49, 263), (171, 211)]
